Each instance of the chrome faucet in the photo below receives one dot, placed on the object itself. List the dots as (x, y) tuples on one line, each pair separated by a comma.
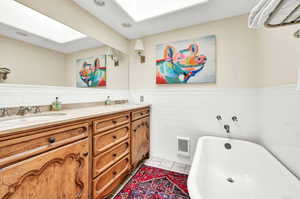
[(3, 112), (227, 128), (36, 109), (23, 110)]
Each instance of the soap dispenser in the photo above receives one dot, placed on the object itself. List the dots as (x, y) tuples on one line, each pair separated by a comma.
[(108, 101), (56, 105)]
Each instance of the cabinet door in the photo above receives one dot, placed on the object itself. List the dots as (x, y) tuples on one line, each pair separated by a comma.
[(140, 141), (58, 174)]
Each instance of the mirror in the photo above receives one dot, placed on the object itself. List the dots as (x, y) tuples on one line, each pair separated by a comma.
[(42, 51)]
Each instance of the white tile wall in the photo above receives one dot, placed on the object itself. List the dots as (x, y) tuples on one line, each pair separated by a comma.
[(268, 116), (192, 113), (279, 123), (16, 95)]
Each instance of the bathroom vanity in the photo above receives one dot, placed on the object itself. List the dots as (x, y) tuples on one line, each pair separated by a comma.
[(81, 155)]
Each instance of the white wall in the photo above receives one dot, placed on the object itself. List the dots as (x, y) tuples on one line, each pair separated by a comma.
[(26, 95), (191, 110), (279, 103), (279, 126), (192, 113), (247, 61)]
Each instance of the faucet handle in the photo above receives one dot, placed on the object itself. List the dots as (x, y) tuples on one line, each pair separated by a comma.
[(227, 128), (4, 112), (234, 119), (36, 109)]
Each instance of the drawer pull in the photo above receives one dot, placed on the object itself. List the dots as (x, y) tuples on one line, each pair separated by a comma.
[(86, 154), (51, 140), (115, 173), (114, 155), (114, 137), (114, 122)]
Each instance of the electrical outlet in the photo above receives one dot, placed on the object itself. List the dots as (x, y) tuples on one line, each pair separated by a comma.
[(141, 98)]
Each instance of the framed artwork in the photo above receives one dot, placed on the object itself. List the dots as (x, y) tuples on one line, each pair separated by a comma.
[(91, 72), (187, 62)]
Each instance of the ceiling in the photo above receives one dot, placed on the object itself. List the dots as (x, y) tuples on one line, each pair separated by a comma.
[(23, 23), (69, 47), (113, 15)]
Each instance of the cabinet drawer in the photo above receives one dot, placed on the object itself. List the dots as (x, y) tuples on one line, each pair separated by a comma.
[(111, 179), (140, 114), (110, 122), (109, 139), (24, 147), (107, 159)]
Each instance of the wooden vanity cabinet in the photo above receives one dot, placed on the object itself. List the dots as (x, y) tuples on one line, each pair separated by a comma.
[(140, 138), (58, 174), (81, 159)]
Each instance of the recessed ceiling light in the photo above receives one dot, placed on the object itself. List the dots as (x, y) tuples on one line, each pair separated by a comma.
[(126, 25), (23, 18), (100, 2), (141, 10)]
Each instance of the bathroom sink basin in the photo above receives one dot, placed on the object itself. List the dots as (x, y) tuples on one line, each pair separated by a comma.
[(29, 118)]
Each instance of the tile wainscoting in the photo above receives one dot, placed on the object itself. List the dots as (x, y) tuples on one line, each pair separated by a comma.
[(26, 95), (192, 113), (267, 116), (279, 124)]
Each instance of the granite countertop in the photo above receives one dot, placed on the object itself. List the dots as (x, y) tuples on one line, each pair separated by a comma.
[(20, 123)]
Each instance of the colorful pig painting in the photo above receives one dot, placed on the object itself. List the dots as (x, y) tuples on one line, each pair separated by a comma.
[(91, 72), (180, 66)]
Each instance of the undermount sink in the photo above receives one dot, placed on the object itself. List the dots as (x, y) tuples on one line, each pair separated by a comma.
[(29, 118)]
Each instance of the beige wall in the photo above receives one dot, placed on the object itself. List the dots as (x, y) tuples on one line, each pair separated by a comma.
[(277, 56), (245, 57), (67, 12), (236, 64), (40, 66), (31, 64), (117, 77)]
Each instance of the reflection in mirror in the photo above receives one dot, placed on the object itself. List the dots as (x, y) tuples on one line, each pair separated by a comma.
[(42, 51)]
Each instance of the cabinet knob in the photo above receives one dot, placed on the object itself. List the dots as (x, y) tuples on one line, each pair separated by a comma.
[(114, 173), (86, 154), (51, 140), (114, 122), (114, 137), (114, 155)]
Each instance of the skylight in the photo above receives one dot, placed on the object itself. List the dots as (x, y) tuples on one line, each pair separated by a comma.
[(29, 20), (140, 10)]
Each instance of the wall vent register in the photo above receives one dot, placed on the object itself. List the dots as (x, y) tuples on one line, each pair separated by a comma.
[(183, 146)]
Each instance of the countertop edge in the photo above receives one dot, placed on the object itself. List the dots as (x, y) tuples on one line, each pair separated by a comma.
[(10, 131)]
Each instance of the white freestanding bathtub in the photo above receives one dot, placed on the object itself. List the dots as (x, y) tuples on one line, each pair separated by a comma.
[(246, 171)]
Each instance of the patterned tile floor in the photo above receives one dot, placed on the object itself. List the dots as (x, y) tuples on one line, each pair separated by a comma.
[(168, 165), (160, 163)]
